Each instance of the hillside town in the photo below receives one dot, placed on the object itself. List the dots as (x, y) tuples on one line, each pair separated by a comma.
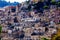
[(30, 21)]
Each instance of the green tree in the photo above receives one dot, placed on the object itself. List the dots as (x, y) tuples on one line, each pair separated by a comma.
[(58, 4), (53, 2), (0, 29), (45, 39), (45, 7)]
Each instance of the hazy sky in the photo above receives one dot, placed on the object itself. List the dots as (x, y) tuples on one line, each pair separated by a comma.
[(15, 0)]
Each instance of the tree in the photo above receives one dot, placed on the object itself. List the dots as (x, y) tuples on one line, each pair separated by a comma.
[(57, 38), (58, 4), (45, 39), (53, 2), (45, 7), (0, 29)]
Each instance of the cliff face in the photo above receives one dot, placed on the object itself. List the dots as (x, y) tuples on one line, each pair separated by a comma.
[(4, 3)]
